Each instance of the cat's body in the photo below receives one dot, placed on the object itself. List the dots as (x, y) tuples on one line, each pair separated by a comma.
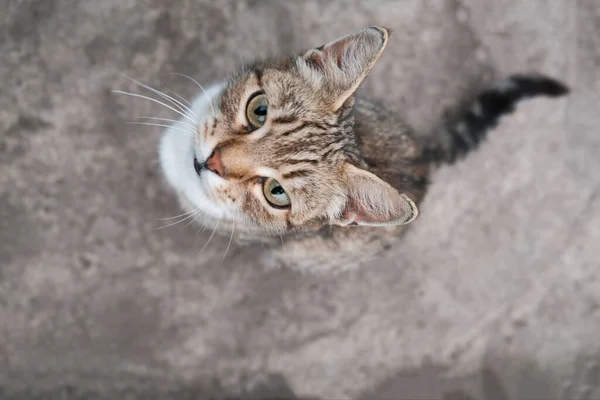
[(284, 153)]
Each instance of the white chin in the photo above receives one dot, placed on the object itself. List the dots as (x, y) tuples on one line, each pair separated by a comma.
[(176, 153)]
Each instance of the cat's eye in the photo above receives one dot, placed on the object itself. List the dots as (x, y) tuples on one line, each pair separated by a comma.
[(256, 110), (274, 193)]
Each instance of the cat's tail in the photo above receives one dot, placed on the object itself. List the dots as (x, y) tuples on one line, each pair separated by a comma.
[(458, 136)]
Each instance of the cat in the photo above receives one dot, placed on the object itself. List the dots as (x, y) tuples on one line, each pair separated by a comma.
[(284, 149)]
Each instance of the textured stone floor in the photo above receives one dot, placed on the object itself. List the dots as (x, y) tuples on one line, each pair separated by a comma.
[(493, 294)]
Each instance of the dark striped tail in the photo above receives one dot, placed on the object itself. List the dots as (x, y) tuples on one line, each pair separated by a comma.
[(463, 134)]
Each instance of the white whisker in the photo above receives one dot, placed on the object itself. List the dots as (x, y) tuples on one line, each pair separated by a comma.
[(230, 240), (171, 120), (205, 224), (180, 215), (177, 103), (191, 134), (195, 219), (181, 220), (201, 88), (211, 235), (156, 101), (183, 99)]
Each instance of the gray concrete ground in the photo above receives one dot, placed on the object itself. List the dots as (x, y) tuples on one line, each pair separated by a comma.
[(493, 294)]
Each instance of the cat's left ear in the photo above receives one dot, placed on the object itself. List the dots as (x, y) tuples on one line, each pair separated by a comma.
[(342, 65), (370, 201)]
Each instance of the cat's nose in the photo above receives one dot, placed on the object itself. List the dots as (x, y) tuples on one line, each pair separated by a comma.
[(214, 163)]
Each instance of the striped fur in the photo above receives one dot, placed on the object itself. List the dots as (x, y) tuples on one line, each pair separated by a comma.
[(463, 134), (342, 160)]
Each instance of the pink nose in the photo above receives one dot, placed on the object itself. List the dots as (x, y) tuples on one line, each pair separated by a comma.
[(214, 163)]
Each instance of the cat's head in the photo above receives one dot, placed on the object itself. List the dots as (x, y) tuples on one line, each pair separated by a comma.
[(275, 151)]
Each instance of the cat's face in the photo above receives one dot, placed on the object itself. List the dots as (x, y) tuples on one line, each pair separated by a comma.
[(274, 151)]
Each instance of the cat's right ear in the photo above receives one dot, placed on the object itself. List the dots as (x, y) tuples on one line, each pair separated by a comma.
[(342, 65), (372, 202)]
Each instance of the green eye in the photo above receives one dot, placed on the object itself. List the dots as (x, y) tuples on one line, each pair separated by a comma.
[(274, 193), (256, 110)]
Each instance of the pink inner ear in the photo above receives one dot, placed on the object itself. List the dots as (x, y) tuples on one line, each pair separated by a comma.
[(336, 51), (331, 52), (339, 59), (356, 212)]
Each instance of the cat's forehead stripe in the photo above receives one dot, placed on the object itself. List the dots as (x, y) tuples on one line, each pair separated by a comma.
[(283, 118), (258, 74), (299, 173)]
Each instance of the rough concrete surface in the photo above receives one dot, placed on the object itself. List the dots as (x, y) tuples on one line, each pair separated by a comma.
[(493, 294)]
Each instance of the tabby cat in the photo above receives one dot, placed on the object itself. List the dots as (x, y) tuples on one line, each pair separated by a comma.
[(283, 149)]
